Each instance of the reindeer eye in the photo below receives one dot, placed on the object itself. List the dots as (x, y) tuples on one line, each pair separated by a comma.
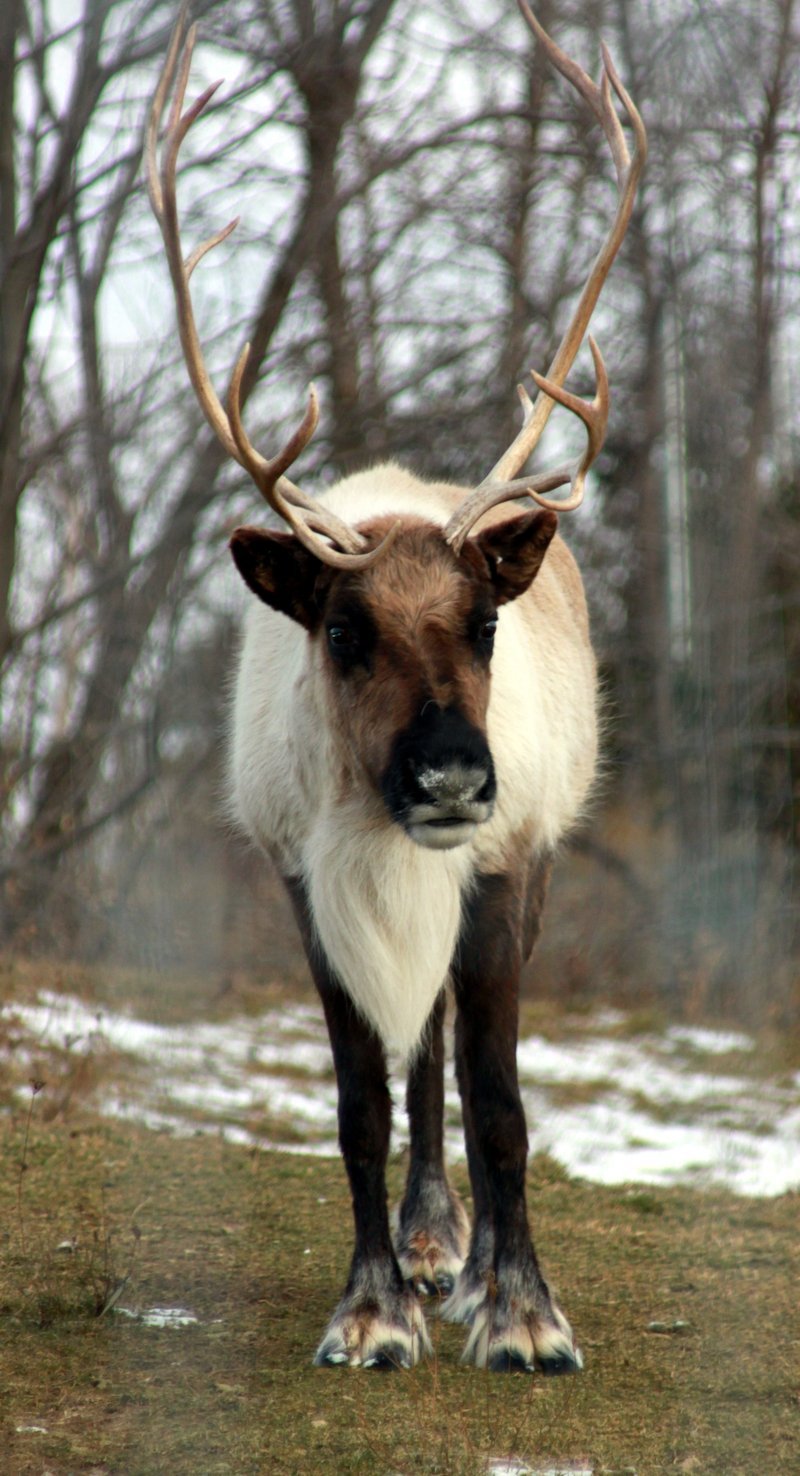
[(351, 638), (345, 644), (488, 630), (341, 638)]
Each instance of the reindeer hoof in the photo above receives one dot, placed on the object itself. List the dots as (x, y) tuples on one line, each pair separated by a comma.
[(520, 1340), (561, 1363), (393, 1356), (508, 1360), (383, 1338), (431, 1248), (512, 1360), (441, 1285)]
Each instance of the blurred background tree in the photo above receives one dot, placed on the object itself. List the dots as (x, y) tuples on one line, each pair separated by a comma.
[(419, 200)]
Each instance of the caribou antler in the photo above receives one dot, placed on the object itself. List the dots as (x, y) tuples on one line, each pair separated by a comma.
[(307, 518), (502, 483)]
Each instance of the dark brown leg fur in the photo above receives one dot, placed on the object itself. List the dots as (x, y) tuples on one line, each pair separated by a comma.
[(432, 1231), (516, 1323), (378, 1322)]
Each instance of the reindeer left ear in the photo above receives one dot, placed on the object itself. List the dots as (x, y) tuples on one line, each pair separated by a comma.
[(281, 572), (514, 552)]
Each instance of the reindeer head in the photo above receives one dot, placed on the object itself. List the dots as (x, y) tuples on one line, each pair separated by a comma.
[(405, 646)]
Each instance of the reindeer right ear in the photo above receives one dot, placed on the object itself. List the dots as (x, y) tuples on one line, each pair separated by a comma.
[(281, 572)]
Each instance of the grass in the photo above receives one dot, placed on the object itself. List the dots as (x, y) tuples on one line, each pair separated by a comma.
[(256, 1246)]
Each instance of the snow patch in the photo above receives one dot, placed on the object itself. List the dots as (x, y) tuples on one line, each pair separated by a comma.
[(647, 1111)]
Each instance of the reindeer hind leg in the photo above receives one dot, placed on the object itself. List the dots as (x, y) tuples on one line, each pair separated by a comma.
[(431, 1229)]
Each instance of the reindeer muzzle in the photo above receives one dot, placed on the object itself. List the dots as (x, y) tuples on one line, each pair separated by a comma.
[(440, 781)]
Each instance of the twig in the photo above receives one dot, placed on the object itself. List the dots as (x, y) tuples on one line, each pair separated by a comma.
[(36, 1088)]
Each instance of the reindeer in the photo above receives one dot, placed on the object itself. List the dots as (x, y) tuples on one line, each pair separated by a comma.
[(414, 731)]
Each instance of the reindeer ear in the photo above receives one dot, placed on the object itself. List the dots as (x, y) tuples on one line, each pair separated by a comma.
[(514, 551), (281, 572)]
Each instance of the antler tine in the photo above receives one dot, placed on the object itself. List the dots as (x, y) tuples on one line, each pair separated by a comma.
[(583, 84), (163, 199), (307, 518), (502, 483), (593, 413), (628, 174)]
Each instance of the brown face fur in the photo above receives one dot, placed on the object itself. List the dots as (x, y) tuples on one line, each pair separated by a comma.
[(412, 629), (420, 607)]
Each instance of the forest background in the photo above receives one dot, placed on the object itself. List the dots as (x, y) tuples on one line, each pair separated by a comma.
[(420, 200)]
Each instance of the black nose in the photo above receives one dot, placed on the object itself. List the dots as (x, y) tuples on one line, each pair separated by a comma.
[(440, 763), (454, 783)]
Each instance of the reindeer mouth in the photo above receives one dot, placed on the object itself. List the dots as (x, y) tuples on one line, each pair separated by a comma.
[(443, 832), (442, 835)]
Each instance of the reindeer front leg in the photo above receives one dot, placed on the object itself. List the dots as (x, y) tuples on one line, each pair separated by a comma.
[(432, 1229), (378, 1322), (517, 1323)]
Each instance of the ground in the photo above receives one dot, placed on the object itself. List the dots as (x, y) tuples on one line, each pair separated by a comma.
[(684, 1303)]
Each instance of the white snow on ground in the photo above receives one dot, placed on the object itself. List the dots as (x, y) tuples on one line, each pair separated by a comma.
[(647, 1112)]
